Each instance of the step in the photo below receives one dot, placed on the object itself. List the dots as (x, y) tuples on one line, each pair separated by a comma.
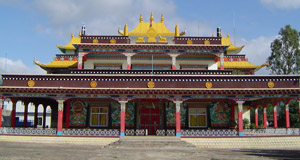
[(151, 142)]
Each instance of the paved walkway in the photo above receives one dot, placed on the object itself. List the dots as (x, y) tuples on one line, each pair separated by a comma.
[(246, 142), (230, 143), (92, 148), (99, 141)]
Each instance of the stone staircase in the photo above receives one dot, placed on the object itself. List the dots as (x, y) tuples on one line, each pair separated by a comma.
[(151, 142)]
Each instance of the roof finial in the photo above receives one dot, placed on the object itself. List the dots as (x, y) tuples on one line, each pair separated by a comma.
[(212, 34), (162, 18), (228, 35), (141, 18), (72, 35), (125, 30), (176, 31), (151, 17)]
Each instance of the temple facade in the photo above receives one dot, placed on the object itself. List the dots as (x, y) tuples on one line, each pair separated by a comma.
[(148, 81)]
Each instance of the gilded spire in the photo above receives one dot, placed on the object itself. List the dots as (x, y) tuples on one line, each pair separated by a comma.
[(162, 18), (212, 34), (176, 31), (72, 35), (228, 35), (125, 30), (151, 18), (141, 18)]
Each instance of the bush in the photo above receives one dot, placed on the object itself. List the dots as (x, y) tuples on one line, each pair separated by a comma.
[(246, 123), (252, 126)]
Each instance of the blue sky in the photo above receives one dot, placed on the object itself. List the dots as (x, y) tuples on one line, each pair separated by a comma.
[(33, 28)]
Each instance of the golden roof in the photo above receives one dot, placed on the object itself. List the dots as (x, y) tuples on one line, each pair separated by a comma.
[(69, 46), (57, 64), (232, 48), (142, 28), (240, 65)]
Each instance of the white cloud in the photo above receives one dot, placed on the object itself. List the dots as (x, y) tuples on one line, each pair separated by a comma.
[(258, 50), (104, 17), (18, 67), (283, 4)]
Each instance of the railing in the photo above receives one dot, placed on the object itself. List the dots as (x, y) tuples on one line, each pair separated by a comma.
[(27, 131), (167, 132), (91, 132), (136, 132), (208, 133), (144, 132), (271, 132)]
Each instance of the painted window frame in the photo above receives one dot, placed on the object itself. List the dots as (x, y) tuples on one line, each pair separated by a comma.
[(99, 113), (196, 115)]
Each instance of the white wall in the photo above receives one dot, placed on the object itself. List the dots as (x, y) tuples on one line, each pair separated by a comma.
[(89, 64)]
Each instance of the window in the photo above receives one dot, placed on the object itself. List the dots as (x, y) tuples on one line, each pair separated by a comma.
[(99, 116), (197, 117)]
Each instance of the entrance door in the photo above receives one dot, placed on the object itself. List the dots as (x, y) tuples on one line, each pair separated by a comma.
[(150, 119)]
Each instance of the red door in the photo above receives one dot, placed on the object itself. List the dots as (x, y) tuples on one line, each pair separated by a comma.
[(150, 119)]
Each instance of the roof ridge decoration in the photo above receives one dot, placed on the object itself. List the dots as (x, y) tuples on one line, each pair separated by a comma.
[(142, 28)]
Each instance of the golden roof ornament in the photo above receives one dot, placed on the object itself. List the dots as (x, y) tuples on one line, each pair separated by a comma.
[(176, 31), (151, 19), (72, 35), (162, 18), (125, 30), (228, 35), (141, 18)]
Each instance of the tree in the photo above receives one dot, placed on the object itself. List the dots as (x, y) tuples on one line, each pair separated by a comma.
[(293, 113), (285, 54)]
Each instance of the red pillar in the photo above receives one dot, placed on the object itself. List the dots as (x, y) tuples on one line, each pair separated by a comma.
[(67, 113), (122, 118), (1, 106), (60, 116), (178, 124), (36, 107), (25, 113), (287, 117), (265, 115), (13, 113), (240, 118), (256, 116), (275, 115), (44, 115)]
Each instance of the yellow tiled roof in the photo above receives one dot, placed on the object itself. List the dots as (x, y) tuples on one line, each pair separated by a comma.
[(240, 65), (58, 64), (70, 45), (226, 41), (143, 27)]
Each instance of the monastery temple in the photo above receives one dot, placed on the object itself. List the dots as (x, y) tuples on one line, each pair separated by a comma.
[(151, 80)]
